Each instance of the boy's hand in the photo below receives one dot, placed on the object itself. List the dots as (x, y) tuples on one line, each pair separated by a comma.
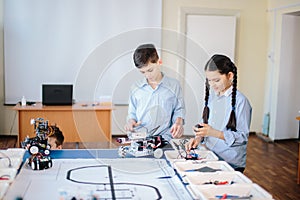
[(131, 124), (177, 130)]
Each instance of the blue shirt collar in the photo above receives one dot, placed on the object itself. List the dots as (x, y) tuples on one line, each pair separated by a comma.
[(226, 93), (144, 81)]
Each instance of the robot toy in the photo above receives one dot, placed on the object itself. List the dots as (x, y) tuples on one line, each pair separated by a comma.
[(38, 146), (141, 143)]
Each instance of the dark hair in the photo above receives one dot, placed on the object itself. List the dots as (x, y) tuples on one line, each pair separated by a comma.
[(144, 54), (56, 133), (224, 65)]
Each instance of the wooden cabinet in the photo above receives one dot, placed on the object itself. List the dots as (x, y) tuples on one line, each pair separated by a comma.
[(81, 122)]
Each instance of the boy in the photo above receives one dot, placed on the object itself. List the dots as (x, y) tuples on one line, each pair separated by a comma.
[(55, 138), (156, 102)]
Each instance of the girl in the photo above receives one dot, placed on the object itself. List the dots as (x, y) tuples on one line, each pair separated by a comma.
[(226, 115)]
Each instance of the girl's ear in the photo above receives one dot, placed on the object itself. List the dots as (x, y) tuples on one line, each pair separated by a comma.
[(159, 61), (230, 76)]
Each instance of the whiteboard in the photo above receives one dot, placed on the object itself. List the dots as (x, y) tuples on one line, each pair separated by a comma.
[(56, 41)]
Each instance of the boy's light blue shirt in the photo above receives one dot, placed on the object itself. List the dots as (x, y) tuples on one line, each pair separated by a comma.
[(157, 107), (234, 148)]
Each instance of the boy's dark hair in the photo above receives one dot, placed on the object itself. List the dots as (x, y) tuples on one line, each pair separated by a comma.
[(145, 54), (56, 133), (224, 65)]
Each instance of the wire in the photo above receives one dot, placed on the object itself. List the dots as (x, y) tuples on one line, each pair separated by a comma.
[(5, 156), (5, 177), (182, 152)]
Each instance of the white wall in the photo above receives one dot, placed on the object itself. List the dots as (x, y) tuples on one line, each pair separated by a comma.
[(88, 43), (204, 39), (281, 102), (250, 47), (54, 42), (284, 91)]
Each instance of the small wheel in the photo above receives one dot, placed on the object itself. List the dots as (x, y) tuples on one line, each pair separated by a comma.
[(46, 152), (33, 149), (122, 151), (37, 165), (158, 153), (50, 164), (33, 166)]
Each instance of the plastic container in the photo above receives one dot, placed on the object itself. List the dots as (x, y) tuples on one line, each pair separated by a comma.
[(197, 178), (173, 155), (195, 166), (6, 162), (23, 101), (8, 174), (242, 191), (14, 152)]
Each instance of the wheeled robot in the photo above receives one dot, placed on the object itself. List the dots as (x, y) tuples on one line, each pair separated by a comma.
[(39, 161), (38, 146), (140, 143), (39, 143)]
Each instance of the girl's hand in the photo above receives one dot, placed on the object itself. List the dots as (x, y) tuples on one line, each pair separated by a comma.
[(201, 130), (206, 130), (193, 143)]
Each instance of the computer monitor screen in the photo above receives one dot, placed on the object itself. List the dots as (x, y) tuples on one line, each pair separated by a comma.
[(57, 94)]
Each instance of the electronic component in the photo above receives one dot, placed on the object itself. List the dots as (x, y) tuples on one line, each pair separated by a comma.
[(142, 144), (198, 126)]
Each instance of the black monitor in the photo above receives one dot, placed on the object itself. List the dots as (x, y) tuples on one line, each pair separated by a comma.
[(57, 94)]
